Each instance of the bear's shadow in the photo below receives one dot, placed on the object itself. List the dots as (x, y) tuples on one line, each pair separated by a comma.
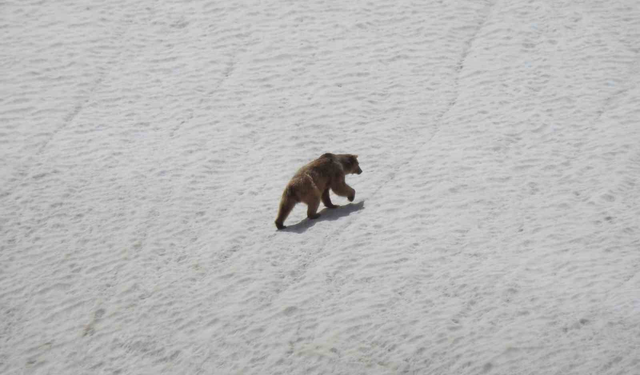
[(326, 214)]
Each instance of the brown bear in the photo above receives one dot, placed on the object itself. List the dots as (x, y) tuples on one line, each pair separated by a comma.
[(312, 182)]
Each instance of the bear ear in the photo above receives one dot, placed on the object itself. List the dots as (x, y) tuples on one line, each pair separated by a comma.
[(355, 156)]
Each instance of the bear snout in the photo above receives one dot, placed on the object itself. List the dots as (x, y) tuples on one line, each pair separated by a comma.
[(359, 171)]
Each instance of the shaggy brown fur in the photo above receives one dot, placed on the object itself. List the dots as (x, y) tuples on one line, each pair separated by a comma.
[(311, 184)]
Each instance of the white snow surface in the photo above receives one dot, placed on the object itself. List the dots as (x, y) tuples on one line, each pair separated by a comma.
[(144, 146)]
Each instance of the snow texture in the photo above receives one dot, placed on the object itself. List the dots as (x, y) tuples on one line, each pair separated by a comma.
[(144, 146)]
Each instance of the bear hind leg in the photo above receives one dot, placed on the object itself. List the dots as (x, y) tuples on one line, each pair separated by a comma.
[(286, 205)]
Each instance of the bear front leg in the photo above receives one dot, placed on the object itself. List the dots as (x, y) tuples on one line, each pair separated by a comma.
[(327, 200), (341, 188), (312, 209)]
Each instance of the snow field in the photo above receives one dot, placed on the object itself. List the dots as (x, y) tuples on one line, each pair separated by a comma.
[(145, 145)]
